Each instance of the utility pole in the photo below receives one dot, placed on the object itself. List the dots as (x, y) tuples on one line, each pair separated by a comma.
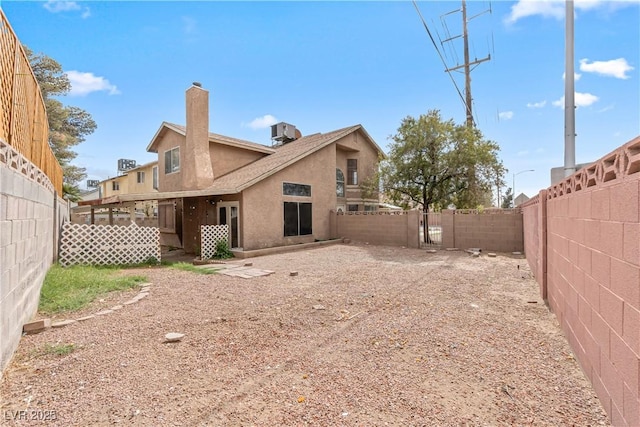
[(569, 94), (467, 65)]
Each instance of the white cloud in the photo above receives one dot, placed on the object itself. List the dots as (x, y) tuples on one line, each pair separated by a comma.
[(505, 115), (85, 83), (546, 8), (556, 8), (262, 122), (617, 68), (536, 104), (55, 6), (607, 108), (581, 100)]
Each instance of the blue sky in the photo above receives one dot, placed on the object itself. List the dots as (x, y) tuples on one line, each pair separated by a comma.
[(327, 65)]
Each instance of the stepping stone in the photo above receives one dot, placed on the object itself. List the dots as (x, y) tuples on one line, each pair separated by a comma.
[(141, 295), (491, 255), (293, 273), (82, 319), (248, 264), (103, 312), (62, 323), (431, 251), (116, 307), (173, 337), (319, 307), (144, 285), (131, 301), (475, 254)]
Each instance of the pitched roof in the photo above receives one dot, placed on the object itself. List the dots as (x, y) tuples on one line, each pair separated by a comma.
[(284, 156), (213, 137)]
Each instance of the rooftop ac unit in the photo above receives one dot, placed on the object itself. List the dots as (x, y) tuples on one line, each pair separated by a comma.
[(126, 164), (283, 132)]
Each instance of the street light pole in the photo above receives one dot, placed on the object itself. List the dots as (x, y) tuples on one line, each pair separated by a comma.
[(513, 188)]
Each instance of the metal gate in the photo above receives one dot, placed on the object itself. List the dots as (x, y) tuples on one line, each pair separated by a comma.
[(433, 229)]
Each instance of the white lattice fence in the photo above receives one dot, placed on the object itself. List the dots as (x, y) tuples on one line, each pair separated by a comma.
[(210, 235), (108, 244)]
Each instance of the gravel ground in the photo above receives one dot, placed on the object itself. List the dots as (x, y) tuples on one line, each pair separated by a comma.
[(363, 335)]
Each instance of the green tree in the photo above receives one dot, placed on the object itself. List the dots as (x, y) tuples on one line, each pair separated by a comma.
[(71, 193), (508, 199), (68, 126), (434, 163)]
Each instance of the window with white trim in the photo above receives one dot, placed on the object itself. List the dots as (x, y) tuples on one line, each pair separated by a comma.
[(172, 160), (155, 177), (140, 177)]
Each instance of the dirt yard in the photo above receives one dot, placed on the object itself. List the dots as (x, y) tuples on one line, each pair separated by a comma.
[(363, 335)]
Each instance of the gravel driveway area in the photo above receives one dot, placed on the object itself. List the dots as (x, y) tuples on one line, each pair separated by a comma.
[(363, 335)]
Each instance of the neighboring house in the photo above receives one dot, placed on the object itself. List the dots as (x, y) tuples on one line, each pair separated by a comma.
[(141, 180), (520, 199), (269, 196)]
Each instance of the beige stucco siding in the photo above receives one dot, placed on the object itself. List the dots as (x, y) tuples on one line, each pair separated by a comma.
[(262, 209), (225, 159), (107, 186), (355, 146), (134, 187), (172, 181)]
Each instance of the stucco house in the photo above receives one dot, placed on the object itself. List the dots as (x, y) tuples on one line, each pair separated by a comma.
[(142, 179), (269, 196)]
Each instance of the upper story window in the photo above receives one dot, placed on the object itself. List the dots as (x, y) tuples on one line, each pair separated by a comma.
[(339, 183), (140, 177), (155, 177), (172, 160), (290, 189), (115, 185), (352, 171)]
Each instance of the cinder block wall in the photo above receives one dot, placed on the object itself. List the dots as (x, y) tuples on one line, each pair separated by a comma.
[(534, 214), (593, 273), (379, 228), (493, 230), (27, 236)]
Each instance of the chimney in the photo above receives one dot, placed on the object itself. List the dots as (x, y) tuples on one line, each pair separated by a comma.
[(196, 169)]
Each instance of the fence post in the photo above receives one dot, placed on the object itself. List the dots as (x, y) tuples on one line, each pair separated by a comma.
[(542, 243)]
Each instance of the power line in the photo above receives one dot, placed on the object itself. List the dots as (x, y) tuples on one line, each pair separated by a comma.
[(426, 27)]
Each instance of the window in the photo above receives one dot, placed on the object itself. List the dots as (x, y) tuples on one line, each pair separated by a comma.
[(172, 160), (140, 177), (297, 219), (352, 208), (115, 186), (302, 190), (352, 172), (155, 177), (370, 208), (339, 183)]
